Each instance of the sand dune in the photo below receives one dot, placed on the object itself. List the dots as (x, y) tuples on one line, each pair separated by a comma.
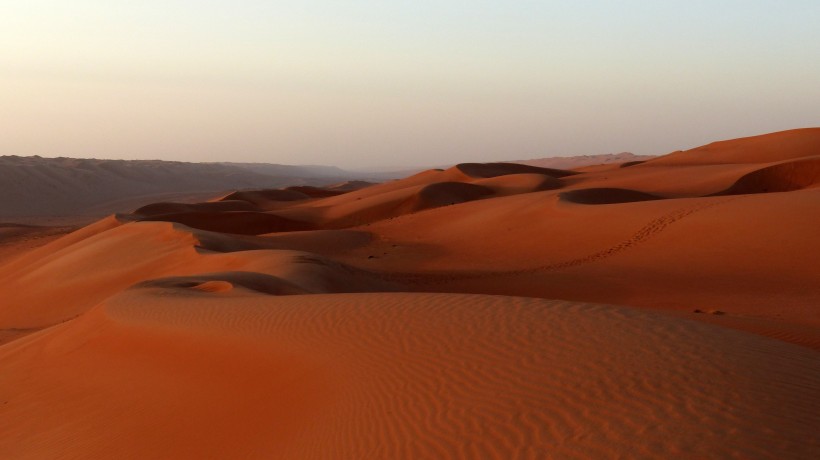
[(513, 184), (239, 374), (17, 239), (414, 318), (766, 148), (443, 194), (606, 196), (240, 222), (478, 170), (781, 177)]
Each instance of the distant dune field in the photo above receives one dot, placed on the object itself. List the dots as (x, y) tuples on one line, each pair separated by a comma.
[(663, 307)]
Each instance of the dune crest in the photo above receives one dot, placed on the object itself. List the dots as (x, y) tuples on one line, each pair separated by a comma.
[(765, 148)]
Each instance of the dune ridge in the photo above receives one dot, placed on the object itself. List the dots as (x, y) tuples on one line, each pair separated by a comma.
[(765, 148)]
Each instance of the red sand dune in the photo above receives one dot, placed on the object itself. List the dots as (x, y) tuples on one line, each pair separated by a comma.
[(479, 170), (766, 148), (443, 194), (781, 177), (184, 372), (239, 222), (412, 319), (606, 196)]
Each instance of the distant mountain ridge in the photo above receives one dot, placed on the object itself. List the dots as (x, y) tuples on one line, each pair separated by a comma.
[(581, 161), (37, 186), (292, 170)]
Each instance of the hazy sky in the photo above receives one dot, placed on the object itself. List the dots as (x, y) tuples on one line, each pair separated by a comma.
[(358, 83)]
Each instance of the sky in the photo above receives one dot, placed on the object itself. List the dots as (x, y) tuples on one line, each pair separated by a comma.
[(363, 84)]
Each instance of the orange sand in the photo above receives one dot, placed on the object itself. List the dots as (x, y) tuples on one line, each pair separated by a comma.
[(283, 324)]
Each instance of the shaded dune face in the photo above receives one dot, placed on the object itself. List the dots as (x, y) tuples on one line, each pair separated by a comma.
[(213, 286), (485, 170), (237, 222), (315, 192), (444, 194), (782, 177), (413, 319), (511, 184), (606, 196), (632, 163)]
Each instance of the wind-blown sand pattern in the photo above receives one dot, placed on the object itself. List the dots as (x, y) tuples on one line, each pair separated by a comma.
[(415, 318), (401, 376)]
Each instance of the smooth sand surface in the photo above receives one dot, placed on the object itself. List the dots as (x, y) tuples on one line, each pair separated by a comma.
[(415, 318)]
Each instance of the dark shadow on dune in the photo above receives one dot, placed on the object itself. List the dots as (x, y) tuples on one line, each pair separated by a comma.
[(549, 183), (522, 183), (327, 240), (595, 196), (235, 222), (350, 186), (444, 194), (315, 192), (485, 170), (783, 177), (632, 163), (158, 209)]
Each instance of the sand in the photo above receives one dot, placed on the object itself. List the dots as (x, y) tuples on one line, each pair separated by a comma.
[(185, 372), (17, 239), (417, 318)]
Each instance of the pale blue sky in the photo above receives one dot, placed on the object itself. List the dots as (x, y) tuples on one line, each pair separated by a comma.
[(365, 83)]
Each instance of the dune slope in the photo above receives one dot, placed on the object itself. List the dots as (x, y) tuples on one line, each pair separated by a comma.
[(178, 372)]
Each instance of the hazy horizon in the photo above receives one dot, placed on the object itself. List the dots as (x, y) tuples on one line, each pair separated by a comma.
[(368, 85)]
